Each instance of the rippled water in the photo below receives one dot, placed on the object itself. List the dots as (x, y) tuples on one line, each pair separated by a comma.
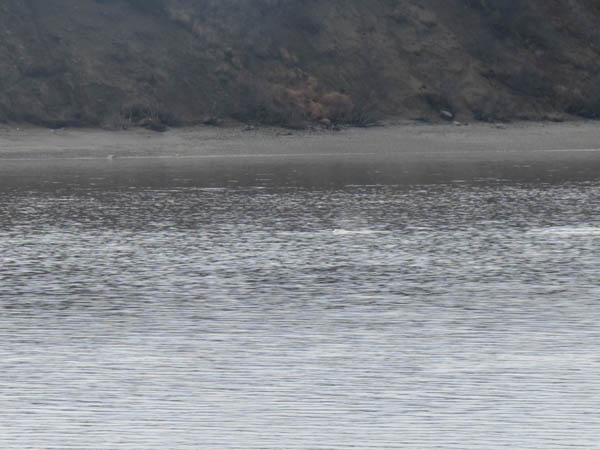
[(285, 304)]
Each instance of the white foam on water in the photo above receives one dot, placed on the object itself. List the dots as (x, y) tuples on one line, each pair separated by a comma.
[(568, 231), (343, 232)]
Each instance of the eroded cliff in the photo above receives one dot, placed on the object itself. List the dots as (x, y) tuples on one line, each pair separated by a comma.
[(288, 62)]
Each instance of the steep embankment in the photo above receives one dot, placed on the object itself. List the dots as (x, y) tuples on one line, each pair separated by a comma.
[(117, 62)]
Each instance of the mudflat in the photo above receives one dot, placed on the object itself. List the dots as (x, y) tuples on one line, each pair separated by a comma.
[(409, 139)]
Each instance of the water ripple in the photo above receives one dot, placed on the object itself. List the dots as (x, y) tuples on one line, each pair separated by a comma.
[(427, 316)]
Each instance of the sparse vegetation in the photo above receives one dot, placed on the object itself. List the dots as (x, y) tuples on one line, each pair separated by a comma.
[(147, 6), (112, 62)]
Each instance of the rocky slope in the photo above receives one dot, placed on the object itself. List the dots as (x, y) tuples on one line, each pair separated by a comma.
[(115, 63)]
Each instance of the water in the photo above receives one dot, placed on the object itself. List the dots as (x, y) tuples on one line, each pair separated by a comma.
[(300, 303)]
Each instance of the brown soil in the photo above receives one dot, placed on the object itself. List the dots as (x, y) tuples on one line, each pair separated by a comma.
[(157, 63)]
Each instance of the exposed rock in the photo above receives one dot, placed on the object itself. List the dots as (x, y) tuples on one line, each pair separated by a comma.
[(158, 127), (446, 115), (153, 125), (326, 123)]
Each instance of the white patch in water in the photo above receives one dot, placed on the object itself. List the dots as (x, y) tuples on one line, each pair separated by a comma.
[(342, 232), (568, 231)]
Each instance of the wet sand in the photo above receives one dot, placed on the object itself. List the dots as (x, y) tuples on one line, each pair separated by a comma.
[(400, 139)]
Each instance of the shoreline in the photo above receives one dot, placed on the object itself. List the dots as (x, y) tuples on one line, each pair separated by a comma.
[(392, 138)]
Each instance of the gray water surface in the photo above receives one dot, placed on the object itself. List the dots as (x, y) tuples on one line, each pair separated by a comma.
[(300, 303)]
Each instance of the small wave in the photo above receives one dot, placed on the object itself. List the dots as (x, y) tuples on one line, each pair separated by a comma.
[(568, 231), (342, 232)]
